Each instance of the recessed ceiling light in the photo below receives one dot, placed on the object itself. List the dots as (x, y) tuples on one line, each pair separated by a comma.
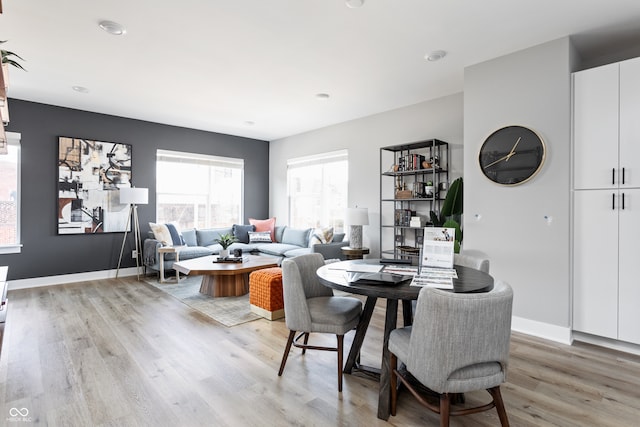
[(249, 123), (80, 89), (322, 96), (354, 3), (113, 28), (436, 55)]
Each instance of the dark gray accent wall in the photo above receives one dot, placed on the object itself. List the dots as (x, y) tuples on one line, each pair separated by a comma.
[(44, 252)]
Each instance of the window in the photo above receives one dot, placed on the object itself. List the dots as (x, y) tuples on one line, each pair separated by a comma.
[(317, 188), (10, 196), (197, 190)]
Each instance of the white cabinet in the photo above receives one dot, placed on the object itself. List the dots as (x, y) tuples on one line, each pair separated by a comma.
[(606, 201), (606, 133)]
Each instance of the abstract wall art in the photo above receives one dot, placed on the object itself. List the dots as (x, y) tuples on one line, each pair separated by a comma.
[(90, 174)]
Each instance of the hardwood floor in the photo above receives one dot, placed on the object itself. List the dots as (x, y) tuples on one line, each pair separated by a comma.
[(122, 353)]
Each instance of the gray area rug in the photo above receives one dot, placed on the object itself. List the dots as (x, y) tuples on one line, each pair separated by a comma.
[(230, 311)]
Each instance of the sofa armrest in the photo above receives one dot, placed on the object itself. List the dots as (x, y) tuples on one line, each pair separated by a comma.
[(150, 252), (330, 250)]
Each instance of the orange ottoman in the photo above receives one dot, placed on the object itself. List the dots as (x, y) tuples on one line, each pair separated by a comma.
[(265, 293)]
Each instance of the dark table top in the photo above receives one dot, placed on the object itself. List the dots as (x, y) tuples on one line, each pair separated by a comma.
[(333, 276)]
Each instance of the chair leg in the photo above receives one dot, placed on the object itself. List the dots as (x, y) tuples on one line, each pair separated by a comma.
[(394, 383), (340, 345), (497, 399), (445, 406), (305, 342), (287, 348)]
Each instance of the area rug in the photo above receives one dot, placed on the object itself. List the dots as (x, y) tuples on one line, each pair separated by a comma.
[(229, 311)]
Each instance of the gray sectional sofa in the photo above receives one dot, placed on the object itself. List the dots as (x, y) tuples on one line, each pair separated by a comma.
[(289, 242)]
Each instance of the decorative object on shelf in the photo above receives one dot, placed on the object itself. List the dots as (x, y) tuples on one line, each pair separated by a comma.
[(90, 173), (225, 240), (133, 197), (404, 194), (512, 155), (356, 218)]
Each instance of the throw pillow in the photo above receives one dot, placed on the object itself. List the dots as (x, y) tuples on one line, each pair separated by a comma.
[(296, 236), (321, 235), (265, 225), (241, 232), (189, 237), (260, 237), (161, 233), (166, 233)]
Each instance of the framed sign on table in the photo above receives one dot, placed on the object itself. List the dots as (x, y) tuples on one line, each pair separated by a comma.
[(90, 174)]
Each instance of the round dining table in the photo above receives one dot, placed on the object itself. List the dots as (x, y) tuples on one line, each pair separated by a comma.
[(335, 275)]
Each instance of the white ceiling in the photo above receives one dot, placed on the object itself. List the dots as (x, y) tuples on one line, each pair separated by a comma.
[(216, 65)]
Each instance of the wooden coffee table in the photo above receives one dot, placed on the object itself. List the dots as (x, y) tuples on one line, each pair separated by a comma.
[(224, 279)]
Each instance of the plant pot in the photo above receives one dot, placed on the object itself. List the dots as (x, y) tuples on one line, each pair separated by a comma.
[(223, 253)]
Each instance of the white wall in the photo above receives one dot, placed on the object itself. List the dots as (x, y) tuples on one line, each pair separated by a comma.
[(530, 88), (440, 118)]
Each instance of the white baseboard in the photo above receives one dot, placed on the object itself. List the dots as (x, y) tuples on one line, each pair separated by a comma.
[(37, 282), (547, 331), (607, 342)]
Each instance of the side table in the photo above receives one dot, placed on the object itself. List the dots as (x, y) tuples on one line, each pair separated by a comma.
[(169, 250), (353, 253)]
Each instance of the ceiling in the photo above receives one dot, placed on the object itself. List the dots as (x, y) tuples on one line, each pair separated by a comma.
[(253, 68)]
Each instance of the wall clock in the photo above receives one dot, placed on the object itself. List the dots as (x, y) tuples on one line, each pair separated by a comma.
[(512, 155)]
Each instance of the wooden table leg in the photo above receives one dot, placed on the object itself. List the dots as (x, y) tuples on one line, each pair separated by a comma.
[(384, 396), (407, 312), (361, 331)]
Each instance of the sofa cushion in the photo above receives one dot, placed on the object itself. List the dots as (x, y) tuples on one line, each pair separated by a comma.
[(296, 236), (265, 225), (189, 237), (279, 231), (338, 237), (277, 249), (241, 232), (208, 236), (189, 253), (297, 252), (321, 235), (260, 237)]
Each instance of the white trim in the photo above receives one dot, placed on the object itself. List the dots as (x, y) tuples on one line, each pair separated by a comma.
[(62, 279), (547, 331), (608, 343)]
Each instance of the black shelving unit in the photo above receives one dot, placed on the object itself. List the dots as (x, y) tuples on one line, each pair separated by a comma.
[(405, 171)]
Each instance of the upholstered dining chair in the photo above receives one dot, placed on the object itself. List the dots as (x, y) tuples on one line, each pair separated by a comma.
[(458, 343), (310, 307), (472, 258)]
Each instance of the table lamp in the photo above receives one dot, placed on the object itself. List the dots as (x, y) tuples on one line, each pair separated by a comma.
[(133, 196), (356, 218)]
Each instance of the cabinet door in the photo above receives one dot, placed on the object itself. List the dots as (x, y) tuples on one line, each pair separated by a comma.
[(595, 264), (629, 281), (630, 122), (595, 127)]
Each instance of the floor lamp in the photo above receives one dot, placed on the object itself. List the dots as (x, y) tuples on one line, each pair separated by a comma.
[(133, 196)]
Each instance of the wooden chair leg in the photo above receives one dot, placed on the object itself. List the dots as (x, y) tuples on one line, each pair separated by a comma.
[(305, 342), (340, 345), (445, 407), (497, 399), (287, 348), (394, 383)]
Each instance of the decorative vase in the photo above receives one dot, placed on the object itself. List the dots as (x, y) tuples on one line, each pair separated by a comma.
[(224, 253)]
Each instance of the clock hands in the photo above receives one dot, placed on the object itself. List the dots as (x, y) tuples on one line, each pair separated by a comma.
[(507, 157)]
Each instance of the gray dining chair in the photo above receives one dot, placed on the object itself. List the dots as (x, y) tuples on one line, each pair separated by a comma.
[(459, 342), (310, 307), (472, 258)]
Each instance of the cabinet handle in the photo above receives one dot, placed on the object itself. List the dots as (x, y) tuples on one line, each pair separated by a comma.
[(623, 178), (613, 201), (622, 201), (613, 176)]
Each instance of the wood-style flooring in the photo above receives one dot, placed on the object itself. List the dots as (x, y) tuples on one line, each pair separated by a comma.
[(122, 353)]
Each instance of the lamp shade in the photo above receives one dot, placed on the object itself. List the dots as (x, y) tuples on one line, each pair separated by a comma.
[(134, 196), (357, 216)]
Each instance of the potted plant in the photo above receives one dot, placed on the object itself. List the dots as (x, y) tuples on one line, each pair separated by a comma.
[(225, 240), (7, 57)]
